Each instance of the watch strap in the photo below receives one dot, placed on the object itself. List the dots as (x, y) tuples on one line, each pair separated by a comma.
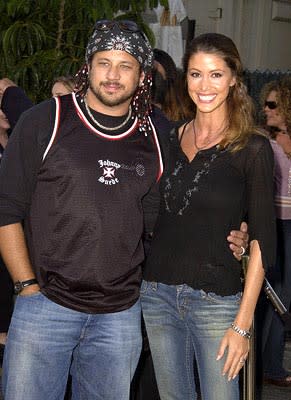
[(19, 286)]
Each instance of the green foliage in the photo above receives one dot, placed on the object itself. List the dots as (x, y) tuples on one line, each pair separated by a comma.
[(43, 39)]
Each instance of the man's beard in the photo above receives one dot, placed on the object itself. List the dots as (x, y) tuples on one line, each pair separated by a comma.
[(107, 100)]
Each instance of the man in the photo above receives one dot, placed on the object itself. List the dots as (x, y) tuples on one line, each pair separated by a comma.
[(76, 171)]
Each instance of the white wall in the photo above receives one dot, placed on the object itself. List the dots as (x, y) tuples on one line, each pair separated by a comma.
[(262, 42), (279, 46), (199, 10)]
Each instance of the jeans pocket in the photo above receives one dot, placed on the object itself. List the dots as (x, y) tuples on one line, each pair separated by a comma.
[(232, 299), (143, 287), (147, 287)]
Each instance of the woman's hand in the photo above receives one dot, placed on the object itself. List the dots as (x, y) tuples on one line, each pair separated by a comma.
[(237, 348)]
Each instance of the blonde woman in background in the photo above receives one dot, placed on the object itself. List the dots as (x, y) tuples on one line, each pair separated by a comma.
[(63, 85), (276, 103)]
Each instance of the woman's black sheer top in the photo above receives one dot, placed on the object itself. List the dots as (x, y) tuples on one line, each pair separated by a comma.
[(201, 202)]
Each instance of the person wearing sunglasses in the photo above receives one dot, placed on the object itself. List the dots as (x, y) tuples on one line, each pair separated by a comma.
[(276, 104)]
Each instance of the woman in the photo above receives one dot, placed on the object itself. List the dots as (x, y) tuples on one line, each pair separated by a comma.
[(219, 172), (276, 102), (63, 85), (168, 90)]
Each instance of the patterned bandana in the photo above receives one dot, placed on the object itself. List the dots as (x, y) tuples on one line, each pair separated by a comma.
[(121, 35)]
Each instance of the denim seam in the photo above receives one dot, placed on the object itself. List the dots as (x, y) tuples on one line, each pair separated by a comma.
[(189, 362)]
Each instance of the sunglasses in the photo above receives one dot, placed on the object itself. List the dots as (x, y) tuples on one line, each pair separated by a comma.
[(272, 105), (106, 25)]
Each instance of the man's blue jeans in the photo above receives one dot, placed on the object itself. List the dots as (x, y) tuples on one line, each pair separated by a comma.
[(47, 341), (182, 322)]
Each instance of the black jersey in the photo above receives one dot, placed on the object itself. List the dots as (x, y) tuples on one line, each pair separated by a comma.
[(85, 219)]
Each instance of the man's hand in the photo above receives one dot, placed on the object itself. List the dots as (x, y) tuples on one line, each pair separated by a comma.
[(239, 241), (4, 84)]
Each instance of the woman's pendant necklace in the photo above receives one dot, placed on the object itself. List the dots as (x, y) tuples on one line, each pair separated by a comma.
[(209, 140), (106, 128)]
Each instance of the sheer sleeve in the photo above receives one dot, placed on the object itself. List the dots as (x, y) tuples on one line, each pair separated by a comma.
[(260, 198)]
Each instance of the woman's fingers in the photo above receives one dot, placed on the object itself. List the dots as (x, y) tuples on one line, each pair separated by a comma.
[(237, 351)]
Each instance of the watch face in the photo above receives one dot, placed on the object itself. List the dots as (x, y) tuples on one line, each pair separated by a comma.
[(18, 287)]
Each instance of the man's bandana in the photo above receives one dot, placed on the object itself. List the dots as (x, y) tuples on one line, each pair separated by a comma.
[(121, 35)]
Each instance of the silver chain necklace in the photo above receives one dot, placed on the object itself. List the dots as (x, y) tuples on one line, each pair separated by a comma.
[(106, 128)]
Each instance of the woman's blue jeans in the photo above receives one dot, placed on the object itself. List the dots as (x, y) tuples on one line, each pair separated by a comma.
[(182, 323), (47, 341)]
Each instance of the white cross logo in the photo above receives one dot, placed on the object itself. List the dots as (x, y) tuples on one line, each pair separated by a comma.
[(108, 172)]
